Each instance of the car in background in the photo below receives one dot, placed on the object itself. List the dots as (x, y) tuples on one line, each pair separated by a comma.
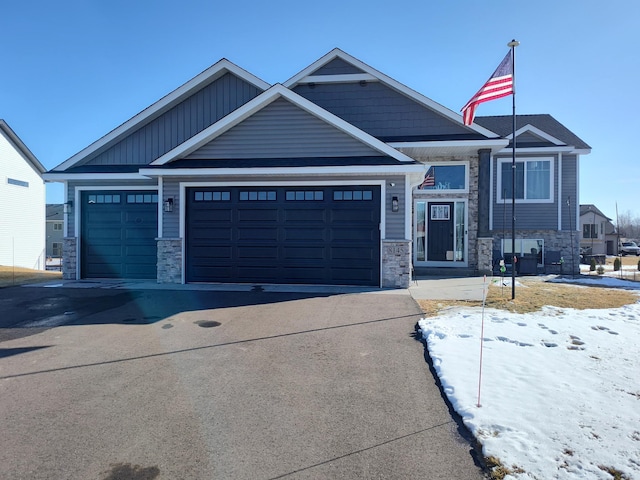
[(629, 248)]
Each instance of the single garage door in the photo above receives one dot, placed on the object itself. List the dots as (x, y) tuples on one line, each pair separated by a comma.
[(310, 235), (118, 234)]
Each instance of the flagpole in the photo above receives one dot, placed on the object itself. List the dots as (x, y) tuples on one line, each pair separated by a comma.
[(513, 44)]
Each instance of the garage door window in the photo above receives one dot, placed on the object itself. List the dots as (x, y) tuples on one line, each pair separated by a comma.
[(103, 199), (212, 196), (353, 195), (142, 198), (257, 196), (308, 195)]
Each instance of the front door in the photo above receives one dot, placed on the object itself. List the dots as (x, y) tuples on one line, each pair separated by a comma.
[(440, 231)]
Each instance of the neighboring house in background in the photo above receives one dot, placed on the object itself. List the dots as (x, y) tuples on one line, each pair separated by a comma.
[(55, 232), (341, 175), (599, 235), (22, 203)]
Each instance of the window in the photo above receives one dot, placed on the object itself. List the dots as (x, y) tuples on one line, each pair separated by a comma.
[(589, 230), (212, 196), (445, 177), (533, 179), (352, 195), (308, 195), (57, 227), (56, 249), (525, 247), (103, 198), (258, 196), (19, 183), (142, 198)]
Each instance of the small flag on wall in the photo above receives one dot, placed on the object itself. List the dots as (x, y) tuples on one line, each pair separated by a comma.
[(429, 179), (499, 85)]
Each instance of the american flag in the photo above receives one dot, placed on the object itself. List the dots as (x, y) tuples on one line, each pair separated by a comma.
[(499, 85), (429, 179)]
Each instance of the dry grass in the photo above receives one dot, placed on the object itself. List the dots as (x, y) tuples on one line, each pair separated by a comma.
[(497, 471), (10, 276), (536, 293)]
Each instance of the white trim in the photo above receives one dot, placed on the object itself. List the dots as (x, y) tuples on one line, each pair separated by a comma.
[(64, 176), (206, 77), (183, 195), (408, 202), (414, 238), (160, 207), (472, 144), (547, 150), (560, 191), (538, 133), (78, 211), (344, 78), (578, 197), (260, 102), (552, 177), (284, 171), (65, 208), (390, 82)]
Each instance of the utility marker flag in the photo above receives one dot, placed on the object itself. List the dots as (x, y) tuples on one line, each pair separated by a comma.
[(499, 85)]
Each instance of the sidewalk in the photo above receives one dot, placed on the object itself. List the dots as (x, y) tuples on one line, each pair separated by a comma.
[(449, 288)]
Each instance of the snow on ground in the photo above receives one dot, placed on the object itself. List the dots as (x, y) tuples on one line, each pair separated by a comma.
[(560, 389)]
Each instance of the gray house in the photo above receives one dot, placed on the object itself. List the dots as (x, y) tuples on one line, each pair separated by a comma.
[(54, 230), (340, 175), (598, 234)]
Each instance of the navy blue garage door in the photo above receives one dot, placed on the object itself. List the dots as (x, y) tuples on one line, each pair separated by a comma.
[(118, 234), (303, 235)]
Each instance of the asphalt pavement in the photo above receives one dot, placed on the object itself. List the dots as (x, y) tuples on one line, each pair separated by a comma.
[(114, 381)]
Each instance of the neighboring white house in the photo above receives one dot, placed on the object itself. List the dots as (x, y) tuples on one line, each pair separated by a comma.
[(22, 203)]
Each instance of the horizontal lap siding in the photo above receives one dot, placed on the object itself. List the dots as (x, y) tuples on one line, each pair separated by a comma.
[(180, 123), (569, 191), (283, 130), (379, 110), (395, 221), (337, 66)]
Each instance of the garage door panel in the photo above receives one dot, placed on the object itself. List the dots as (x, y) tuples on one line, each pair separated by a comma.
[(294, 236), (117, 236)]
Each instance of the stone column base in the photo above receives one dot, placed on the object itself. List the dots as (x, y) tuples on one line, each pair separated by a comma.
[(70, 258), (485, 255), (169, 260), (396, 263)]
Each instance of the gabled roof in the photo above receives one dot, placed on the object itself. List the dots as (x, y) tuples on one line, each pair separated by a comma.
[(208, 76), (589, 208), (370, 74), (260, 102), (543, 124), (22, 148)]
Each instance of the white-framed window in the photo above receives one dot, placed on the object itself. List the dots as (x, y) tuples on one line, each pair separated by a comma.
[(525, 247), (57, 227), (534, 180)]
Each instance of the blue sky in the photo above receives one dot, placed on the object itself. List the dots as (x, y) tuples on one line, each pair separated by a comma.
[(75, 70)]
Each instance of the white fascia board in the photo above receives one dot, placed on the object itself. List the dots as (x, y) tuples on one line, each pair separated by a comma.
[(211, 74), (567, 149), (261, 101), (538, 133), (390, 82), (63, 177), (283, 171)]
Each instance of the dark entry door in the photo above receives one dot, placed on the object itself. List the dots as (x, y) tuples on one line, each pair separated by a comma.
[(118, 234), (313, 235), (440, 231)]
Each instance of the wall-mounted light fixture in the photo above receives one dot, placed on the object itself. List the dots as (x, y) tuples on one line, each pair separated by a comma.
[(392, 184), (168, 205), (394, 204), (67, 207)]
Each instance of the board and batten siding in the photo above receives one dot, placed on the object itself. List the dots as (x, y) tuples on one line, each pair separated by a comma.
[(178, 124), (22, 196), (96, 185), (379, 110), (283, 130), (529, 216), (337, 66), (569, 192)]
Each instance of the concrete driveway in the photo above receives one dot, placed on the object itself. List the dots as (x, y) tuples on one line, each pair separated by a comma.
[(157, 384)]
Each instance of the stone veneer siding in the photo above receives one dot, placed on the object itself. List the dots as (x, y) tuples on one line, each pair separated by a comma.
[(396, 263), (69, 258), (554, 240), (485, 256), (169, 260)]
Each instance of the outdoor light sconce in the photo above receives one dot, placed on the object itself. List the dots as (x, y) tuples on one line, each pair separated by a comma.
[(394, 204), (67, 207), (168, 205)]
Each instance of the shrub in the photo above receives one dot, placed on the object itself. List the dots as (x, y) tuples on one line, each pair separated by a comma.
[(592, 267), (616, 264), (639, 265), (600, 270)]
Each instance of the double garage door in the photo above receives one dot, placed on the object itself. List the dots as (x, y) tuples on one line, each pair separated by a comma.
[(309, 235)]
